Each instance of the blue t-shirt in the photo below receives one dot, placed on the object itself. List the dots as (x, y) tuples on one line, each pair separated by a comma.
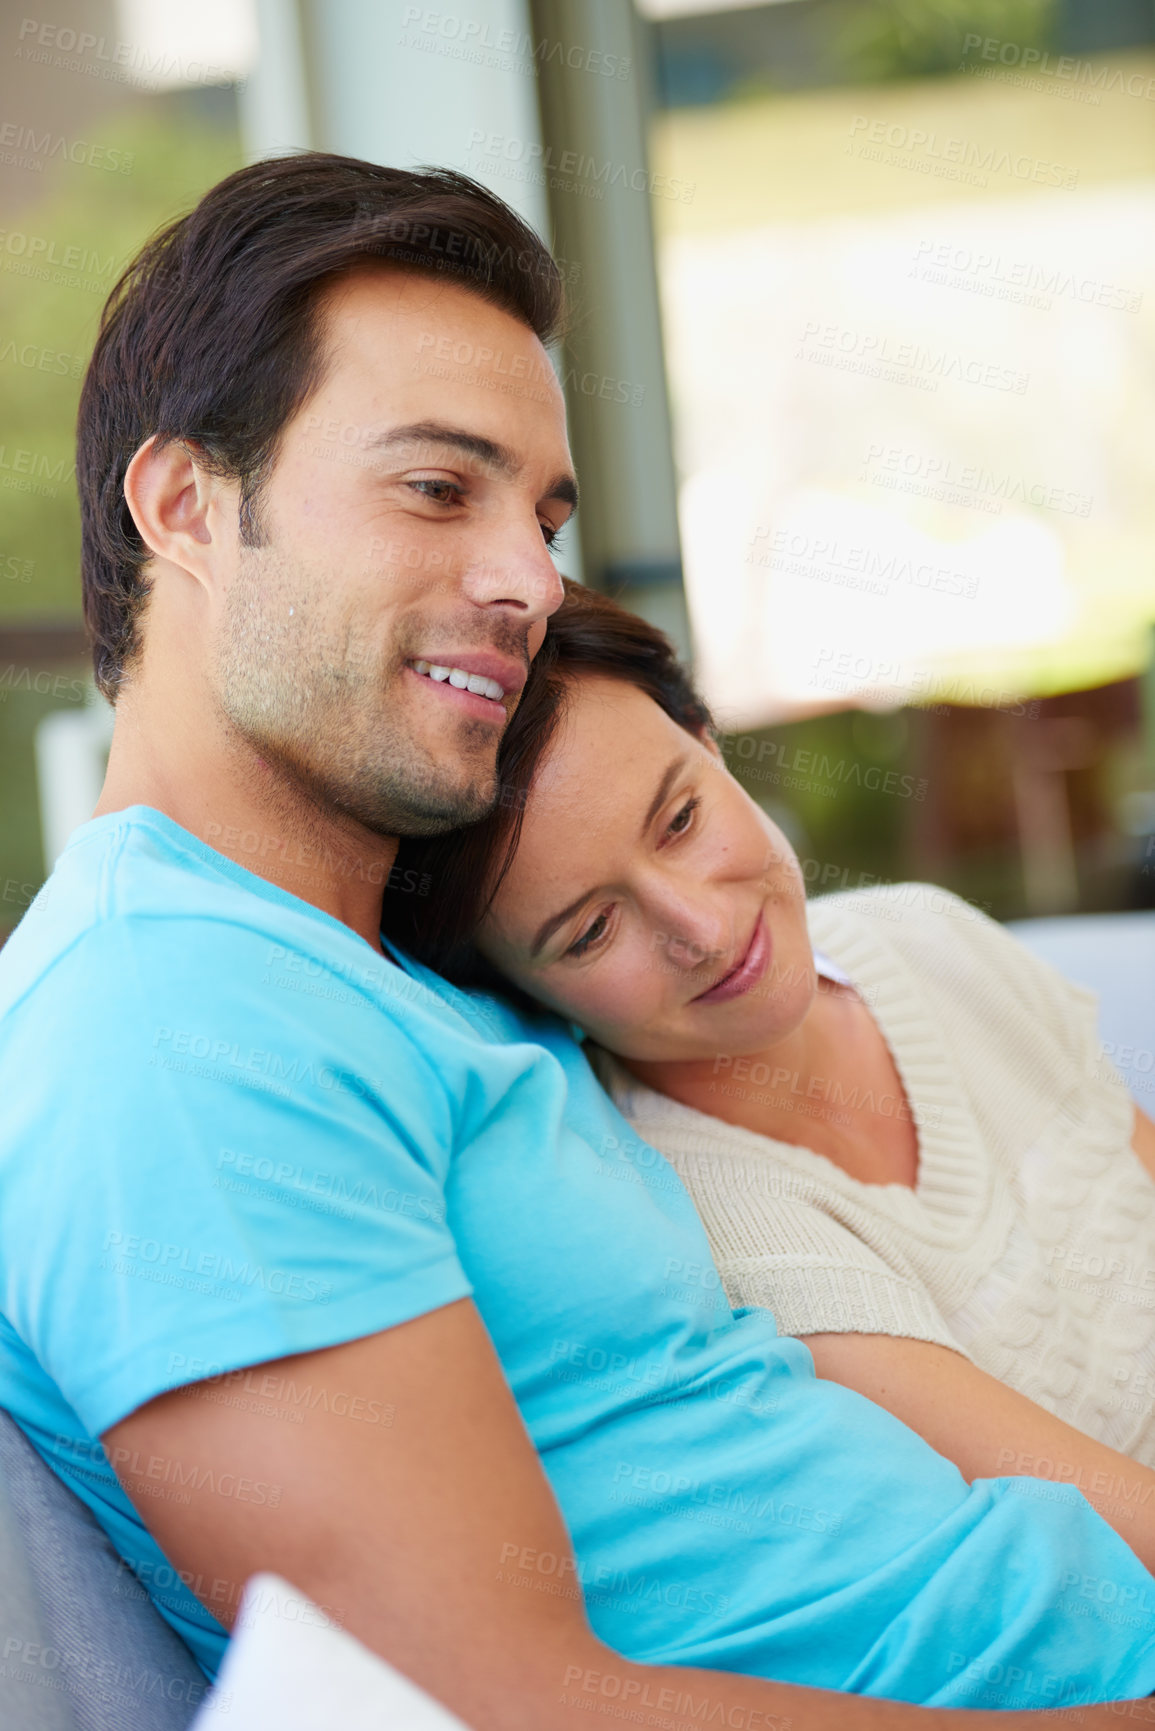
[(232, 1131)]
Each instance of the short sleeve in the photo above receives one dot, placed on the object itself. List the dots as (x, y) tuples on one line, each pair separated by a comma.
[(1069, 1012), (247, 1157), (1086, 1077)]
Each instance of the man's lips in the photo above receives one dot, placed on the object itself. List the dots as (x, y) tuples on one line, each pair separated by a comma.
[(476, 681), (746, 973), (477, 663)]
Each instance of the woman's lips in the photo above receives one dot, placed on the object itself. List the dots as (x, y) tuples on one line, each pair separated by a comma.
[(748, 971)]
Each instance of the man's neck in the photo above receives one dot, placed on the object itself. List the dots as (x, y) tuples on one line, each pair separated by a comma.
[(234, 802)]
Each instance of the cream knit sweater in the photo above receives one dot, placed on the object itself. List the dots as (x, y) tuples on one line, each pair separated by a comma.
[(1028, 1242)]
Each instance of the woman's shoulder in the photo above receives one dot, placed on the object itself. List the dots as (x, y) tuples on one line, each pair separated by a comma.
[(995, 1000), (937, 933), (903, 914)]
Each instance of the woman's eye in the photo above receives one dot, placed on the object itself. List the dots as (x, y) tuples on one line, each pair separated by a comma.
[(440, 492), (590, 936), (681, 821)]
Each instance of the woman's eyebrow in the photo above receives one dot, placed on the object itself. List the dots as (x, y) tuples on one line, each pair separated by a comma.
[(673, 771), (548, 927)]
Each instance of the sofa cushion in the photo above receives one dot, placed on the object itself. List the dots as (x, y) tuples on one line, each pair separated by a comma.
[(93, 1649)]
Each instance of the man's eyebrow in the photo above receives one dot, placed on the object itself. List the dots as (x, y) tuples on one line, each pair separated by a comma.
[(548, 927), (496, 457), (564, 488)]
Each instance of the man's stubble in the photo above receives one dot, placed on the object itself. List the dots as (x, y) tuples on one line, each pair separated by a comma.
[(310, 692)]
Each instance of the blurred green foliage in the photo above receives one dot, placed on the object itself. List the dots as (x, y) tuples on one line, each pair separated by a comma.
[(841, 787), (86, 227), (880, 40)]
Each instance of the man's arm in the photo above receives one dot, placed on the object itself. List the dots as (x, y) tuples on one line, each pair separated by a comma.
[(411, 1535)]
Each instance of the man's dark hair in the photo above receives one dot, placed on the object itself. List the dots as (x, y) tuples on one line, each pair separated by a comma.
[(212, 335), (442, 886)]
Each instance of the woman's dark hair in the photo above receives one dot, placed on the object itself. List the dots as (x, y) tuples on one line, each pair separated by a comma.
[(441, 887), (212, 335)]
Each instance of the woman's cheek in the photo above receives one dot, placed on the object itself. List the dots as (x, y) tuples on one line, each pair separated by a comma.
[(622, 999)]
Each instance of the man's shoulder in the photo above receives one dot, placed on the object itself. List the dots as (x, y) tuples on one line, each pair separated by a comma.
[(120, 870), (140, 915)]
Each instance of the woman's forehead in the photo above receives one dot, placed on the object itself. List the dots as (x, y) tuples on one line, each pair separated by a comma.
[(607, 733)]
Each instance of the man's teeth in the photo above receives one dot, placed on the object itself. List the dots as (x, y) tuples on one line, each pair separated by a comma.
[(457, 676)]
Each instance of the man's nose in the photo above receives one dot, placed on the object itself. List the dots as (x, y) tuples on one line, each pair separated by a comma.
[(516, 571)]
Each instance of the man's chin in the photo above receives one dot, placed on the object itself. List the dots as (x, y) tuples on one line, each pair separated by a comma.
[(453, 809)]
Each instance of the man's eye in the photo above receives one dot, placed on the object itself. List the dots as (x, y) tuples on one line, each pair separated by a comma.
[(440, 492), (681, 820), (552, 537), (590, 936)]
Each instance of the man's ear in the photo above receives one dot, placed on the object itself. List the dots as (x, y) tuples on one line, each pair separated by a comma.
[(175, 504)]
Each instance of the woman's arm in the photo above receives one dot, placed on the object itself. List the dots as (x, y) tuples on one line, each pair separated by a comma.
[(1143, 1141), (987, 1429)]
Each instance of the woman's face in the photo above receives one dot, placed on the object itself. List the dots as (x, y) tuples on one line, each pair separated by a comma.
[(651, 900)]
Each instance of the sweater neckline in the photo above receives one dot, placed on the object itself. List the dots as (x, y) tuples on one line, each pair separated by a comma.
[(953, 1187), (953, 1193)]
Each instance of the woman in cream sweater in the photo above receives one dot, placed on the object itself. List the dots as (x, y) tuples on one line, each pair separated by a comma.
[(896, 1123)]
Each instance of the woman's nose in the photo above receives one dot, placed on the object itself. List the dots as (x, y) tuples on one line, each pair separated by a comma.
[(688, 936)]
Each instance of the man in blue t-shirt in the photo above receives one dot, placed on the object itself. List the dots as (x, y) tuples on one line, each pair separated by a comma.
[(313, 1264)]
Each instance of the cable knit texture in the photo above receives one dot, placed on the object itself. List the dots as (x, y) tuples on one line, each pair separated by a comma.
[(1028, 1242)]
